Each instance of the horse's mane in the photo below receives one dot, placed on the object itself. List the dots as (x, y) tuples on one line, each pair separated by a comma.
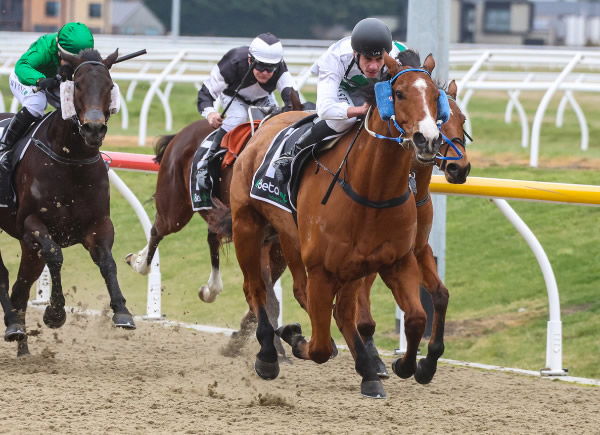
[(412, 59)]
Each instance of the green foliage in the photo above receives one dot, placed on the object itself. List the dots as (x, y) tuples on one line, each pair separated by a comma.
[(498, 302)]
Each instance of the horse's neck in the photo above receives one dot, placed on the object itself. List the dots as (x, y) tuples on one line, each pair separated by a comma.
[(383, 164), (64, 138)]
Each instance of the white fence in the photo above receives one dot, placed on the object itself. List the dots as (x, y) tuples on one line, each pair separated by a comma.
[(188, 60)]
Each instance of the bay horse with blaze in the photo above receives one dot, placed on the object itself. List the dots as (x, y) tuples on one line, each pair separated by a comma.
[(335, 245)]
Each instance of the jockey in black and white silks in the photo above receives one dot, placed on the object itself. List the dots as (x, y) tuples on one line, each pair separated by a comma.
[(245, 76)]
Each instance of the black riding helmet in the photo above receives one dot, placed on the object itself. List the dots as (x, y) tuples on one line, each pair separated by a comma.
[(370, 37)]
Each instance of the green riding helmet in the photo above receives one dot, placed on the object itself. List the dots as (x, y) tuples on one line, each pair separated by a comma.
[(74, 37)]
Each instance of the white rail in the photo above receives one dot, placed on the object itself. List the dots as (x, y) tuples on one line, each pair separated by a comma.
[(188, 61)]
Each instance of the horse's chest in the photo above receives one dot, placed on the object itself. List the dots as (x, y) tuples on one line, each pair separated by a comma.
[(355, 250)]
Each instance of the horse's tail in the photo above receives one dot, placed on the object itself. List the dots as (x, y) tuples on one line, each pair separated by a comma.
[(161, 146), (219, 220)]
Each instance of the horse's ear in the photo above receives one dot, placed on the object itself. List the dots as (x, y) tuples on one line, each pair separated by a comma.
[(429, 64), (108, 62), (74, 61), (391, 63), (452, 89)]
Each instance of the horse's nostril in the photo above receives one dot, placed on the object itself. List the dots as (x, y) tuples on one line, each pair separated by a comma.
[(419, 139)]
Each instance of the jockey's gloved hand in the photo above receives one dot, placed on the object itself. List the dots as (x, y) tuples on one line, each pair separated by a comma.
[(47, 83)]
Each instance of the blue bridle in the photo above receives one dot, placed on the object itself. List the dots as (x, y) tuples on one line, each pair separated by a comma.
[(384, 95)]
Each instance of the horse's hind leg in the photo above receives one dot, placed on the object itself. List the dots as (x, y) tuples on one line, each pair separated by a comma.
[(439, 295), (248, 229), (403, 280), (365, 364), (99, 243), (366, 324), (210, 291), (15, 330)]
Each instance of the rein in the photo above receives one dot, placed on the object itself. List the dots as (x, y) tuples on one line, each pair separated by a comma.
[(46, 149), (347, 188)]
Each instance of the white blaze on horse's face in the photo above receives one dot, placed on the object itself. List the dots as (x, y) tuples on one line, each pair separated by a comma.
[(427, 126)]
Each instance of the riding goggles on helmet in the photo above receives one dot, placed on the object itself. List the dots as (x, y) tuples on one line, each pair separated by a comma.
[(268, 67)]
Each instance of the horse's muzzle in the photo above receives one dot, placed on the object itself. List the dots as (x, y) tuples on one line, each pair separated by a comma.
[(93, 133), (425, 148)]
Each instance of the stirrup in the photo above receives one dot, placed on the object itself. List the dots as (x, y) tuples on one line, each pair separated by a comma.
[(282, 160)]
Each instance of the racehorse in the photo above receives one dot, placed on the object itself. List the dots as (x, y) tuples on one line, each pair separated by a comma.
[(175, 154), (456, 171), (335, 245), (63, 198)]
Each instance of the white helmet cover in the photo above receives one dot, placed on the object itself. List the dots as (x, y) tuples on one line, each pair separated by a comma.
[(266, 48)]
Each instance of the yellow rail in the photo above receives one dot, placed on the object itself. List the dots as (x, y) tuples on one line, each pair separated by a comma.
[(581, 194)]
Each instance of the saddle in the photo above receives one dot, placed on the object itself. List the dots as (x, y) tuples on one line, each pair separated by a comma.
[(270, 183)]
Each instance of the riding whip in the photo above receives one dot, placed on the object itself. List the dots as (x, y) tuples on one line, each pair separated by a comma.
[(237, 90), (130, 55)]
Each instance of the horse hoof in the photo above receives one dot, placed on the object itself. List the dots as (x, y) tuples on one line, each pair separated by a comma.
[(403, 370), (287, 332), (372, 389), (137, 263), (334, 352), (266, 370), (22, 348), (425, 371), (123, 320), (15, 332), (206, 295), (382, 371), (54, 317)]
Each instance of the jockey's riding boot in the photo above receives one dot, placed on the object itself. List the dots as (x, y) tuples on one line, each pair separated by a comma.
[(202, 175), (314, 135), (15, 129)]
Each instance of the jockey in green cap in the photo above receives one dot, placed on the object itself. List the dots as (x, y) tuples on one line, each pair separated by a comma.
[(37, 68)]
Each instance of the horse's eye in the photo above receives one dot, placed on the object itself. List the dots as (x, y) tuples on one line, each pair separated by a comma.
[(399, 95), (76, 85)]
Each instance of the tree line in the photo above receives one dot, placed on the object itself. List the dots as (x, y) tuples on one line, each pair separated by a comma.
[(304, 19)]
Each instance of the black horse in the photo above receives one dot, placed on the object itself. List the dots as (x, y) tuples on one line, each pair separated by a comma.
[(63, 198)]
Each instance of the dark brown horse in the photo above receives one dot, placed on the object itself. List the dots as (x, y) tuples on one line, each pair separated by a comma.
[(456, 172), (335, 245), (63, 198)]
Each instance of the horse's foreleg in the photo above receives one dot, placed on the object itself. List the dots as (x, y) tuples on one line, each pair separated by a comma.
[(209, 292), (14, 329), (30, 269), (248, 236), (142, 261), (99, 243), (403, 279), (439, 295), (366, 324), (36, 238), (345, 314)]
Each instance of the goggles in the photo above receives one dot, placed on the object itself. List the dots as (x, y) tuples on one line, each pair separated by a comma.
[(268, 67)]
